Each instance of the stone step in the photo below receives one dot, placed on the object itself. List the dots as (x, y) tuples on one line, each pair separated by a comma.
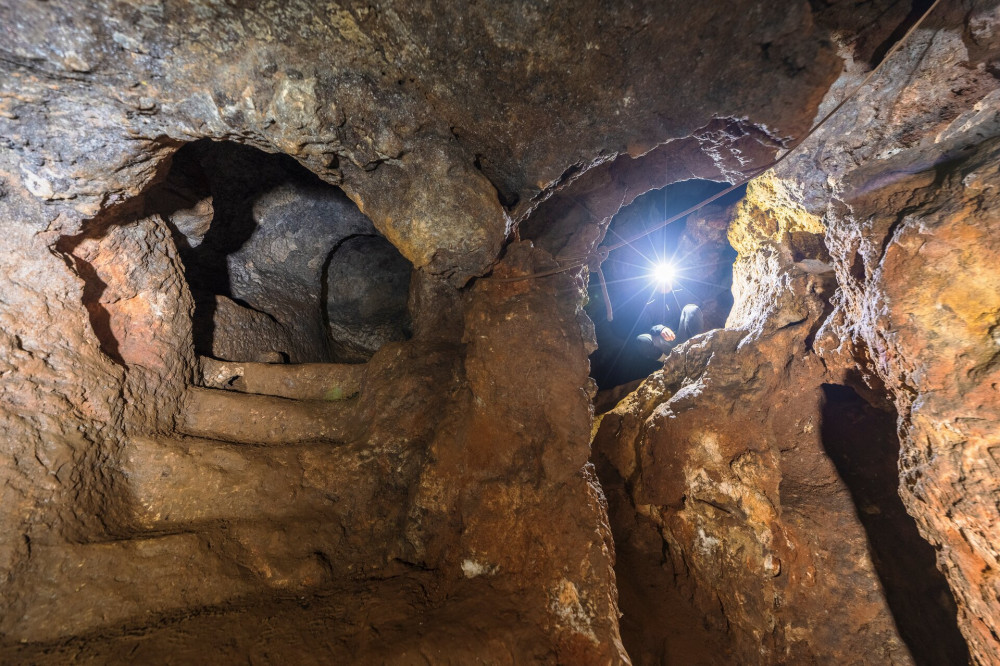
[(301, 381), (262, 419), (179, 483), (78, 587)]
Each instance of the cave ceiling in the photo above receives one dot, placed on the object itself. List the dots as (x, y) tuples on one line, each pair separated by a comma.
[(389, 100)]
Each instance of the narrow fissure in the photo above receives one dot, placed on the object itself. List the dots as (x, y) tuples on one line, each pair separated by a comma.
[(863, 444)]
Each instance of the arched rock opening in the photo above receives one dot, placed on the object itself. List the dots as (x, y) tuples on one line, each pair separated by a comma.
[(696, 247), (282, 266)]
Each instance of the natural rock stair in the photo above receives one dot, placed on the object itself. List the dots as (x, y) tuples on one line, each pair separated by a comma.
[(302, 381), (248, 418), (181, 483), (112, 582), (266, 443), (295, 466)]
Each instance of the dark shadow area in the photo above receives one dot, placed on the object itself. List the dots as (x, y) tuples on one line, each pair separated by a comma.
[(365, 292), (100, 318), (256, 232), (917, 9), (863, 444), (94, 286), (228, 177), (698, 250)]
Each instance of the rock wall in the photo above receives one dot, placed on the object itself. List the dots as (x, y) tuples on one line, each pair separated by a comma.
[(720, 456), (441, 505), (919, 286), (864, 261)]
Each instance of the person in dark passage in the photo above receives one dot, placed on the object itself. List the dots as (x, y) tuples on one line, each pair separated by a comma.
[(669, 324)]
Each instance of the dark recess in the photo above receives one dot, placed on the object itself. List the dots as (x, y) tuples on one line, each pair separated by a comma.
[(705, 283), (863, 444), (233, 224), (917, 9), (316, 274)]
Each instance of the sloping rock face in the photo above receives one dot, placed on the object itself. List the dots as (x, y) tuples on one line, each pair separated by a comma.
[(919, 295), (866, 260), (440, 507), (719, 455)]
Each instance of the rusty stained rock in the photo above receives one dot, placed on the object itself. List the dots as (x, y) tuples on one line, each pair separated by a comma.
[(910, 172), (866, 260), (927, 315), (139, 308), (518, 488), (472, 488), (720, 454)]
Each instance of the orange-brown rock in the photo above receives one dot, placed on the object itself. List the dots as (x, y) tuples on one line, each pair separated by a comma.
[(442, 503)]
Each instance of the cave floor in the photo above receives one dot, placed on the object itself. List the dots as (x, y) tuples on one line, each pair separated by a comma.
[(401, 620)]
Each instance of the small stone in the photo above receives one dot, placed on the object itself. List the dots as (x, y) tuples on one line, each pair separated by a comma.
[(128, 43), (38, 185), (75, 63)]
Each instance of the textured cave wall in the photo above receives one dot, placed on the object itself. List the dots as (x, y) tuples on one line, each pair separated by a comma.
[(717, 469), (919, 286), (866, 260), (448, 511), (395, 102)]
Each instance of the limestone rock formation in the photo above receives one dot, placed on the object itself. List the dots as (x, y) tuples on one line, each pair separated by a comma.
[(294, 347)]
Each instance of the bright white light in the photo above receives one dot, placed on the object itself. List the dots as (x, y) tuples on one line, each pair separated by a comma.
[(664, 273)]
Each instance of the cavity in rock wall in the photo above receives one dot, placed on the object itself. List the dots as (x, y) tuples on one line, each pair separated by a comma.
[(282, 266), (861, 441)]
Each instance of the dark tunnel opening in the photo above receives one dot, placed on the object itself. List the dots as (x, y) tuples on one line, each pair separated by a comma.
[(864, 446), (696, 247), (283, 267)]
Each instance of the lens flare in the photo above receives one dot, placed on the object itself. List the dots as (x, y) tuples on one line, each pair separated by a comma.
[(664, 273)]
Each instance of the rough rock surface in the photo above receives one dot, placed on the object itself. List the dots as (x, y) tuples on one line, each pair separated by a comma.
[(863, 262), (287, 265), (910, 209), (448, 512), (367, 284), (396, 101), (720, 452)]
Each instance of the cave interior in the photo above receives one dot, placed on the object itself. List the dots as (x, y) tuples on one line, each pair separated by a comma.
[(319, 332)]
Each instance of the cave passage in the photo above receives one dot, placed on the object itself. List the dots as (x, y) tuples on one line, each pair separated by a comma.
[(283, 267), (697, 248), (863, 444)]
